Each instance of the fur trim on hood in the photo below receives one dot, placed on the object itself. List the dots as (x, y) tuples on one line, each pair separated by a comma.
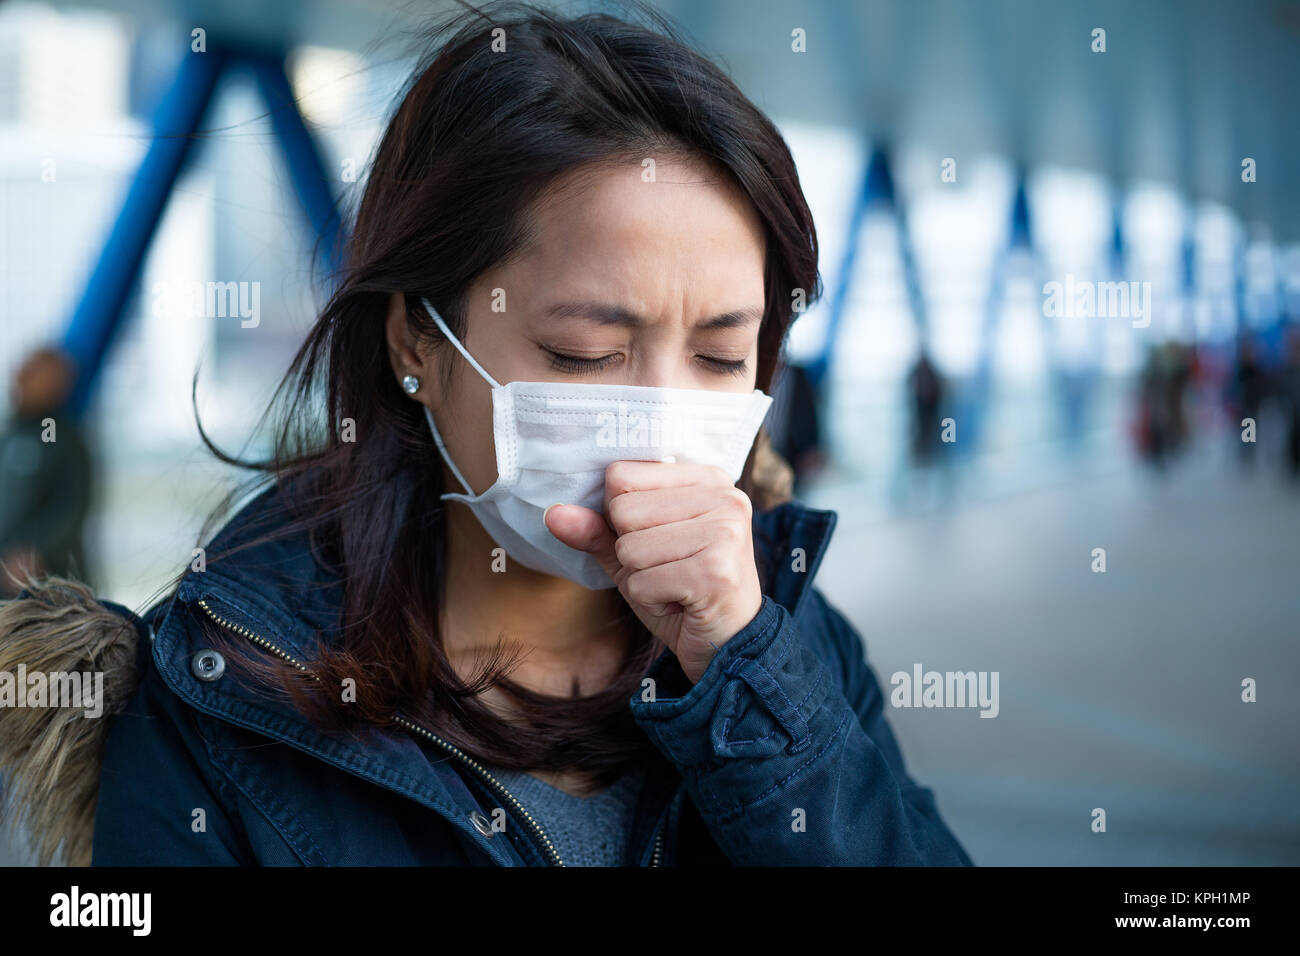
[(772, 475), (50, 756)]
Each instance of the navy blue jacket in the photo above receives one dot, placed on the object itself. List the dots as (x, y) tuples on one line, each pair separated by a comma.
[(779, 755)]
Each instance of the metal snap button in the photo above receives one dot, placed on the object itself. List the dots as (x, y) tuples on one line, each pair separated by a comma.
[(481, 823), (208, 665)]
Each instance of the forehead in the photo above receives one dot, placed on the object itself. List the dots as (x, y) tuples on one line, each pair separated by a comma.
[(669, 221)]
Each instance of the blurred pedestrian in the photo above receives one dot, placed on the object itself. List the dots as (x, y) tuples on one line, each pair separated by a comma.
[(45, 476), (925, 389), (1289, 398), (1178, 375), (1248, 388)]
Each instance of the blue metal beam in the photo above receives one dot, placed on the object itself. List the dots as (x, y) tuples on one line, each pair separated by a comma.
[(303, 157), (101, 310), (176, 121), (875, 177), (1020, 236)]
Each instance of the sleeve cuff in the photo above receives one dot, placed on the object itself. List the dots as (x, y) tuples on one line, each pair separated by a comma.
[(739, 706)]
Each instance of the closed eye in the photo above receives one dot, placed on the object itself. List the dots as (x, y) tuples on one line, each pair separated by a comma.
[(725, 366), (577, 365)]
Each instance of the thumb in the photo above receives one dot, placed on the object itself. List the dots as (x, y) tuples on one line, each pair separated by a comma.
[(584, 530)]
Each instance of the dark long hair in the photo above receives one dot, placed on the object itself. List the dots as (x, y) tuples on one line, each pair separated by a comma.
[(478, 136)]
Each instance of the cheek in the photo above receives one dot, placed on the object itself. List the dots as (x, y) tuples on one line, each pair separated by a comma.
[(465, 420)]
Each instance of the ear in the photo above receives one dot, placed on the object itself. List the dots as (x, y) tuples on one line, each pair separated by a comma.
[(402, 353)]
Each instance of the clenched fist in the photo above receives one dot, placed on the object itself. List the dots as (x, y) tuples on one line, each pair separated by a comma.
[(677, 540)]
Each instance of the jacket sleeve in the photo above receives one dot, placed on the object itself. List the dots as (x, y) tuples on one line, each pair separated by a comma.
[(154, 779), (787, 765)]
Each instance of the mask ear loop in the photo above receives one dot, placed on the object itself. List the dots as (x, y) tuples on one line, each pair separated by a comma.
[(433, 427), (442, 450), (433, 313)]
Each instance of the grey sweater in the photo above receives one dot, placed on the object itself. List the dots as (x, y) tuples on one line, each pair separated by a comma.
[(586, 831)]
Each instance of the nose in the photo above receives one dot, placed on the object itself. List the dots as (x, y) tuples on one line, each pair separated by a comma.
[(663, 362), (660, 376)]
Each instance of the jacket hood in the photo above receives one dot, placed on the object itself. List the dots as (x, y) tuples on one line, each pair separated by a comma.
[(58, 643)]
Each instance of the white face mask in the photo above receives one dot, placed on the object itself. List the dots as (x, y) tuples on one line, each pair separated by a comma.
[(554, 441)]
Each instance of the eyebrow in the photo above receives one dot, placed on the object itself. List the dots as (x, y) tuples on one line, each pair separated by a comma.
[(616, 315)]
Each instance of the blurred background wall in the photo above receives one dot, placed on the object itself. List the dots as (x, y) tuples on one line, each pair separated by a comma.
[(979, 437)]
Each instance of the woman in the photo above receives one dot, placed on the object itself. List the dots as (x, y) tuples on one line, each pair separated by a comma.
[(568, 284)]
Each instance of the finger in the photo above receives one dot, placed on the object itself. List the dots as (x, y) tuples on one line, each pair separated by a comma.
[(624, 476), (585, 530), (662, 590), (635, 510), (662, 544)]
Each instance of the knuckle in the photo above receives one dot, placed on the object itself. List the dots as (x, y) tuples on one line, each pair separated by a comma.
[(625, 551), (618, 511), (716, 565), (617, 476), (739, 502), (635, 587)]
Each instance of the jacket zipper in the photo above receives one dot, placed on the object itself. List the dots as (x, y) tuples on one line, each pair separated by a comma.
[(492, 781), (451, 749)]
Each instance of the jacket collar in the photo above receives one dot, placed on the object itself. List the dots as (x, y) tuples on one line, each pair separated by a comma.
[(277, 592), (790, 542)]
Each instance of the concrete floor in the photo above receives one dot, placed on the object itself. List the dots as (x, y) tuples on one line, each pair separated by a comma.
[(1119, 690)]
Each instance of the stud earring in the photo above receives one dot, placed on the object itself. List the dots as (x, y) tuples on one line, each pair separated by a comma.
[(411, 384)]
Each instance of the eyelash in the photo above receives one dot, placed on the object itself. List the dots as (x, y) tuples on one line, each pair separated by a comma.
[(578, 366)]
